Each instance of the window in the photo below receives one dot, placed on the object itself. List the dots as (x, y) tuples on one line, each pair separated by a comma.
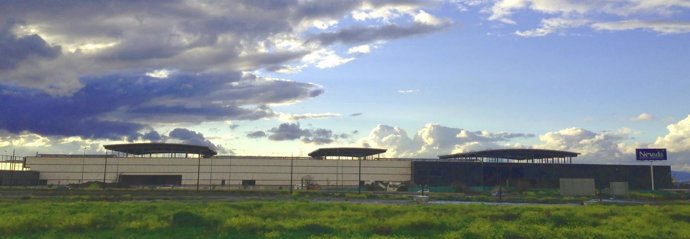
[(248, 182)]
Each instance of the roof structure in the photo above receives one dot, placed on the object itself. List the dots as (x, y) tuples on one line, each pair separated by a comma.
[(347, 152), (157, 148), (514, 154)]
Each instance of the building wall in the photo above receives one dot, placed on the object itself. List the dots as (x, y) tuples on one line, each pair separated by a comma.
[(220, 170), (444, 173)]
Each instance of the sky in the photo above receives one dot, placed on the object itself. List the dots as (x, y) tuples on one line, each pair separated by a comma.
[(281, 78)]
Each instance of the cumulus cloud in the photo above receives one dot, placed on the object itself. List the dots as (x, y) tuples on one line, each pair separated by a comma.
[(186, 136), (594, 147), (433, 140), (677, 139), (643, 117)]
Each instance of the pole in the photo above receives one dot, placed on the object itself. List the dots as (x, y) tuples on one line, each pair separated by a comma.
[(210, 177), (105, 167), (291, 165), (359, 181), (651, 172), (83, 161), (198, 171)]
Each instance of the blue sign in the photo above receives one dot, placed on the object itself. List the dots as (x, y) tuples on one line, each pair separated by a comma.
[(651, 154)]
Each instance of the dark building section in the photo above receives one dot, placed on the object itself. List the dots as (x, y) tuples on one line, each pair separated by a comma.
[(18, 178), (140, 180), (444, 173)]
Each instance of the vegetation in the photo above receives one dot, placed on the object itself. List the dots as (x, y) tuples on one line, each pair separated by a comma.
[(34, 218)]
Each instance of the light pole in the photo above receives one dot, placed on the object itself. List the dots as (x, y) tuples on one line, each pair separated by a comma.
[(83, 161), (359, 181)]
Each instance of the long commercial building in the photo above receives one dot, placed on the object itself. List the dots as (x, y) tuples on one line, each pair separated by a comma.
[(198, 166)]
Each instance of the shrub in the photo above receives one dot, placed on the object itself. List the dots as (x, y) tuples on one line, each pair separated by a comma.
[(187, 219)]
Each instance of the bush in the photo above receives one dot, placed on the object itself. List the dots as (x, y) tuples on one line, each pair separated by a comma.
[(187, 219)]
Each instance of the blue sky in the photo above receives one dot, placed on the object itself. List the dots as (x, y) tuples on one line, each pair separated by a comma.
[(420, 78)]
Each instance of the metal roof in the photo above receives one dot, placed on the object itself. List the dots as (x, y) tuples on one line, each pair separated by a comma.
[(157, 148), (516, 154), (348, 152)]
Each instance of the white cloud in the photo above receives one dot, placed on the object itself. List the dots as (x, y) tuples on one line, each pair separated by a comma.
[(677, 141), (601, 147), (433, 140), (411, 91), (643, 117), (425, 18), (551, 25), (361, 49), (598, 13), (664, 27), (160, 73), (678, 137), (325, 59), (297, 117), (382, 13), (501, 10)]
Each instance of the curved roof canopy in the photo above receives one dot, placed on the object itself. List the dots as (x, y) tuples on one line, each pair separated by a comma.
[(157, 148), (515, 154), (348, 152)]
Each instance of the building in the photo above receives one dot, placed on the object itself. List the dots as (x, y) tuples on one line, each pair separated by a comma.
[(198, 166), (194, 166)]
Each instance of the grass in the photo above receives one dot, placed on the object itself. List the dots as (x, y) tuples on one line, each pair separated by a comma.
[(301, 219)]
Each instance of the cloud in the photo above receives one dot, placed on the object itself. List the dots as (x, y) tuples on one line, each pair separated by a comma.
[(44, 48), (365, 34), (103, 109), (433, 140), (599, 147), (361, 49), (16, 49), (643, 117), (664, 27), (408, 91), (610, 15), (552, 25), (356, 114), (186, 136), (678, 137), (677, 141), (256, 134), (293, 131), (297, 117)]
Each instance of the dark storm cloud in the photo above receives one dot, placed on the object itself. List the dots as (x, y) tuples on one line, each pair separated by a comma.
[(37, 112), (360, 34), (120, 106), (15, 49)]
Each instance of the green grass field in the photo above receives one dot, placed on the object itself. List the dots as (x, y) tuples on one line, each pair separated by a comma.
[(301, 219)]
